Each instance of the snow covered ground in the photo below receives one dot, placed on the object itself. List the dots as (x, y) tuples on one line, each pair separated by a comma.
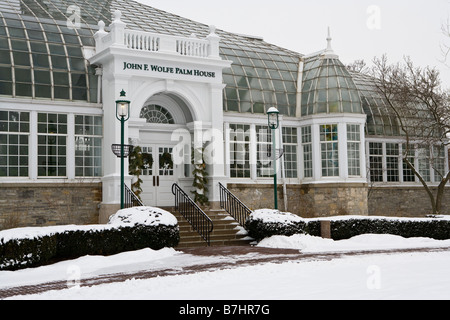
[(422, 275)]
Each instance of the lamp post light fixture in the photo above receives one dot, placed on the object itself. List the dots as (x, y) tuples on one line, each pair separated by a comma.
[(123, 115), (274, 123)]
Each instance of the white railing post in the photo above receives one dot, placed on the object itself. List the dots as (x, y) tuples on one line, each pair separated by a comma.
[(213, 47), (118, 30), (99, 35), (167, 44)]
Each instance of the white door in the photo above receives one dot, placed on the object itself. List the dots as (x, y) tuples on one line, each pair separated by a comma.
[(157, 181)]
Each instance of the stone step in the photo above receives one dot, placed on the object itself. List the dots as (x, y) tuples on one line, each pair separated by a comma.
[(226, 232)]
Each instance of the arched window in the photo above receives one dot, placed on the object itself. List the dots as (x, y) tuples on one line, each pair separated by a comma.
[(156, 114)]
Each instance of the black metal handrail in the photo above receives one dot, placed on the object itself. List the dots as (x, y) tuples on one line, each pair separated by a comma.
[(231, 204), (199, 221), (131, 200)]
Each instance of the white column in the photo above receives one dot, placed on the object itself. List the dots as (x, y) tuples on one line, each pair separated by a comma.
[(362, 155), (343, 150), (226, 129), (112, 135), (70, 155), (384, 163), (253, 152), (316, 152), (33, 145)]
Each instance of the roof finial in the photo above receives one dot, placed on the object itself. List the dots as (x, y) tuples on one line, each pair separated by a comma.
[(329, 52), (329, 39)]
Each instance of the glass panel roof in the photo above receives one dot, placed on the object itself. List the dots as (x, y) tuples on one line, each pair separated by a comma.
[(41, 57), (34, 35), (44, 55), (328, 87), (381, 119)]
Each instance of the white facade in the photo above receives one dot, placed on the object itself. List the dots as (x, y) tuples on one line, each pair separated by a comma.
[(182, 75)]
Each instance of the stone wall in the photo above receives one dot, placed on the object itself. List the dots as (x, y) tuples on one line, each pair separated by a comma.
[(48, 204), (404, 201), (308, 201), (322, 200)]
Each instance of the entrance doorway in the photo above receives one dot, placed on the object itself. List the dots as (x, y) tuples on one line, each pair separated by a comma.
[(157, 181)]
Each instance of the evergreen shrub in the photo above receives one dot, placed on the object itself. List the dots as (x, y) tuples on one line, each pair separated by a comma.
[(18, 254), (271, 223)]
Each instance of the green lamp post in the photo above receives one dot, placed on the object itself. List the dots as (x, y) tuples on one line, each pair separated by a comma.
[(273, 115), (123, 115)]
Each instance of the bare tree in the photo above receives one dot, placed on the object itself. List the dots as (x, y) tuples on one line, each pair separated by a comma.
[(422, 109), (358, 66)]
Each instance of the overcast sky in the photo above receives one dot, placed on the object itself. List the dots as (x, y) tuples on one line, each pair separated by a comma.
[(361, 29)]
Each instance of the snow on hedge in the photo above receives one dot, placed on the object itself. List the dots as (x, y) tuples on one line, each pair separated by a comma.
[(148, 216), (275, 216), (128, 217)]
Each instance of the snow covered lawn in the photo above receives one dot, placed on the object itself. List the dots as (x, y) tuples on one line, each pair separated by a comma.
[(376, 276)]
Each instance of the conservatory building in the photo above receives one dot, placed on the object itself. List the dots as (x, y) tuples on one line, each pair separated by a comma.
[(190, 86)]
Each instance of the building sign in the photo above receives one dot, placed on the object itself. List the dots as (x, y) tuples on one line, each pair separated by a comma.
[(170, 70)]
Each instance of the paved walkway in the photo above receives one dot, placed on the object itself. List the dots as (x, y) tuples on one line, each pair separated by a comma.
[(235, 257)]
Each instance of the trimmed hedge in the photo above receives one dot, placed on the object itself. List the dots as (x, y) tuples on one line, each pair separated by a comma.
[(342, 229), (259, 229), (434, 228), (25, 253)]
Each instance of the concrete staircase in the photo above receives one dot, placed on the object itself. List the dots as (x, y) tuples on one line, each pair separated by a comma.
[(227, 231)]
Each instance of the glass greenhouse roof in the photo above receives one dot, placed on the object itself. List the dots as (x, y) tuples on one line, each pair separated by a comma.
[(381, 119), (41, 57), (417, 119), (328, 87)]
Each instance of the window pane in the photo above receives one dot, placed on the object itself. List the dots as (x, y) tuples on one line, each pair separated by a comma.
[(392, 161), (88, 146), (239, 151), (290, 152), (329, 150), (14, 143)]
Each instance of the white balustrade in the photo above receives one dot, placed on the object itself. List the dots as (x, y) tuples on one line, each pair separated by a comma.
[(146, 41), (143, 41), (192, 47)]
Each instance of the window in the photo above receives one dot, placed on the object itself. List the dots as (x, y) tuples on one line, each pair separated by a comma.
[(88, 146), (14, 136), (392, 156), (148, 170), (423, 158), (264, 152), (438, 163), (376, 161), (290, 152), (156, 114), (307, 152), (52, 143), (353, 149), (408, 174), (239, 151), (329, 150)]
